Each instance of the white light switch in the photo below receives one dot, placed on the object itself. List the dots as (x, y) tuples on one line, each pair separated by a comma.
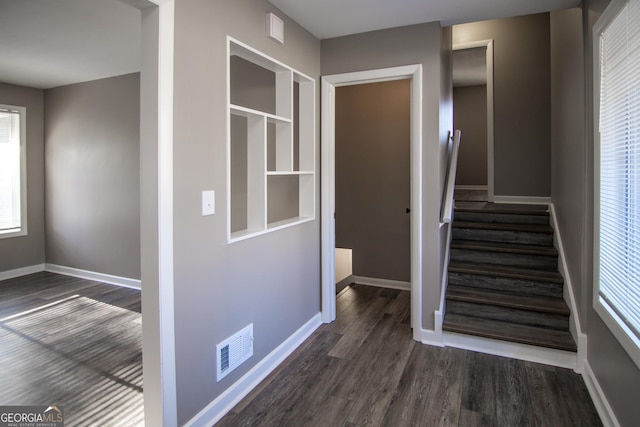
[(208, 202)]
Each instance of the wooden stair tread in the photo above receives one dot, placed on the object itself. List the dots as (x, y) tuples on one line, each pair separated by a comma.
[(506, 271), (504, 208), (503, 226), (540, 304), (524, 334), (502, 247)]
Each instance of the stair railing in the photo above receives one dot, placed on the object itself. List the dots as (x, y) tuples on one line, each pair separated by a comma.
[(446, 216), (446, 212)]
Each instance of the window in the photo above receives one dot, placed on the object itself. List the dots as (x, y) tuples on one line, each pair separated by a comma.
[(13, 205), (617, 177)]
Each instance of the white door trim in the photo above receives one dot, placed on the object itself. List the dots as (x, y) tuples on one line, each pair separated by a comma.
[(329, 83), (490, 111), (158, 321)]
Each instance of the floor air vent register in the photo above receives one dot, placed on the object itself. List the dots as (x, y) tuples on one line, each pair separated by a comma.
[(233, 351)]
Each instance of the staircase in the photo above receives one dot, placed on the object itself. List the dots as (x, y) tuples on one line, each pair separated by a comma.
[(503, 277)]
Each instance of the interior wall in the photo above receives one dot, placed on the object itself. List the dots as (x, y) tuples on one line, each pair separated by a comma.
[(470, 116), (429, 45), (27, 251), (522, 125), (272, 280), (572, 195), (92, 133), (372, 150)]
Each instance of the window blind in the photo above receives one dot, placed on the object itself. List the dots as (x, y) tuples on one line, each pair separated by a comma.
[(10, 173), (619, 189)]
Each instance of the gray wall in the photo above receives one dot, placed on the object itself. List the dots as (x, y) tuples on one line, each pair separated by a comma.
[(572, 195), (373, 134), (25, 251), (273, 280), (521, 101), (429, 45), (470, 116), (92, 133)]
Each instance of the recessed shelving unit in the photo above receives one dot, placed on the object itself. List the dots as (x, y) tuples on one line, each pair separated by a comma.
[(270, 144)]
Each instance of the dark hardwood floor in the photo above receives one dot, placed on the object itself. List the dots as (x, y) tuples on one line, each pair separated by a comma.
[(75, 343), (365, 370)]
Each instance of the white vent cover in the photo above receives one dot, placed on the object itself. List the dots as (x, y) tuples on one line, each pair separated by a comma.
[(233, 351), (275, 28)]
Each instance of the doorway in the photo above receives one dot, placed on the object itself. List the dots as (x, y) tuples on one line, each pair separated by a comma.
[(473, 115), (373, 181), (328, 168)]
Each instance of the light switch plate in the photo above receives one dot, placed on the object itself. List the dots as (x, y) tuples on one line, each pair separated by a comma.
[(208, 202)]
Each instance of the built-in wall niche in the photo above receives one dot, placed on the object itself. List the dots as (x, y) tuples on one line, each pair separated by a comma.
[(271, 144)]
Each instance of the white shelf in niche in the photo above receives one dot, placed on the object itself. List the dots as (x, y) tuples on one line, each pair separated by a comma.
[(270, 144), (287, 173), (246, 112), (288, 222)]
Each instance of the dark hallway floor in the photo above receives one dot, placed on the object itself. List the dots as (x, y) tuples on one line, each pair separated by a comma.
[(364, 369)]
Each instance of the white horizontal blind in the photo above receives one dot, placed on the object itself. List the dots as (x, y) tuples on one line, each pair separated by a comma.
[(619, 263), (10, 173)]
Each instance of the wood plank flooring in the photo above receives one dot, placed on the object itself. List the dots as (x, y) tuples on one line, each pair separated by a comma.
[(365, 370), (77, 343), (74, 343)]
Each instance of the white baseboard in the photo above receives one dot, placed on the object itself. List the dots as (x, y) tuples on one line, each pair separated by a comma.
[(547, 356), (23, 271), (472, 187), (581, 342), (600, 401), (91, 275), (569, 296), (346, 281), (217, 409), (382, 283), (429, 337), (528, 200), (434, 337)]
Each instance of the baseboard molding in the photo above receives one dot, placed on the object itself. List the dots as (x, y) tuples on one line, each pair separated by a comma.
[(569, 296), (382, 283), (434, 337), (600, 401), (22, 271), (430, 337), (547, 356), (217, 409), (472, 187), (344, 283), (438, 315), (92, 275), (581, 341), (527, 200)]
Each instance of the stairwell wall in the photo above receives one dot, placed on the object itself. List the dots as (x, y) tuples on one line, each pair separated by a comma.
[(522, 123), (572, 109)]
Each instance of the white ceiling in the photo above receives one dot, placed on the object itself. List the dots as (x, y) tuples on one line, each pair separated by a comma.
[(333, 18), (50, 43)]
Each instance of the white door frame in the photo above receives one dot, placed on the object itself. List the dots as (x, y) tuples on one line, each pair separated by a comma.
[(158, 323), (329, 83), (490, 124)]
